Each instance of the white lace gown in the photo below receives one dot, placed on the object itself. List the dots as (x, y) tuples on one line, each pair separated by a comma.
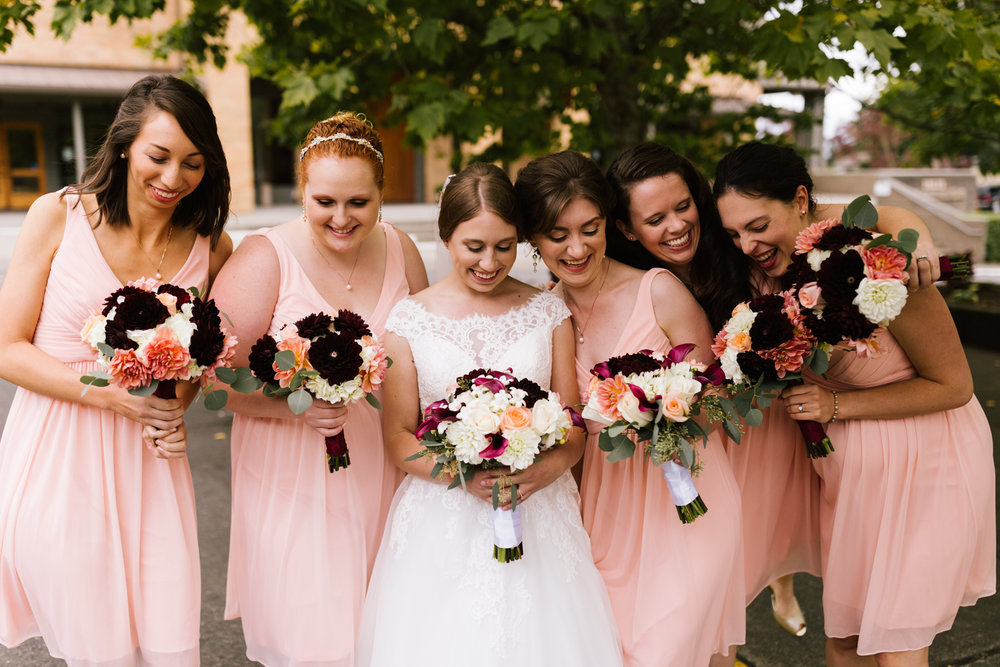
[(437, 597)]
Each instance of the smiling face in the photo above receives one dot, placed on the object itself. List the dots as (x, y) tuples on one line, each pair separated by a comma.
[(764, 229), (664, 219), (341, 201), (164, 165), (573, 249), (483, 249)]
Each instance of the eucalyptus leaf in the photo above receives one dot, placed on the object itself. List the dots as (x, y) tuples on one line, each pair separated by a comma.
[(732, 430), (244, 372), (496, 495), (106, 349), (623, 449), (617, 429), (271, 391), (296, 381), (604, 441), (145, 391), (285, 360), (372, 401), (226, 374), (881, 239), (299, 401), (414, 457), (247, 385), (907, 240), (436, 470), (686, 454), (216, 400), (755, 417), (820, 361)]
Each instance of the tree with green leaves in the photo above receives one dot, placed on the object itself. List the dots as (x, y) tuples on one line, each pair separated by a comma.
[(614, 72)]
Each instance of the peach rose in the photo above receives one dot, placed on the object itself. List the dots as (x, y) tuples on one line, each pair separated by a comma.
[(515, 417), (675, 408), (809, 295), (740, 342), (168, 300)]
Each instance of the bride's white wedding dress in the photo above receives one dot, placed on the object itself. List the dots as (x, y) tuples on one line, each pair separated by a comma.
[(437, 597)]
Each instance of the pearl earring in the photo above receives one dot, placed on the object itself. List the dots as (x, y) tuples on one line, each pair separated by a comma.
[(802, 212), (123, 155)]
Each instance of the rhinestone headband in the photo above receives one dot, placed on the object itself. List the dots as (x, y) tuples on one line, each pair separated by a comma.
[(340, 135)]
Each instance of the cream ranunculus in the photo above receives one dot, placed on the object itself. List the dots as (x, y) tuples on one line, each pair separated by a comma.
[(522, 448), (468, 442)]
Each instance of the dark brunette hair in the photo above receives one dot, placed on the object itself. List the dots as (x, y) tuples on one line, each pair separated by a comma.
[(353, 125), (719, 273), (547, 185), (759, 170), (477, 188), (206, 209)]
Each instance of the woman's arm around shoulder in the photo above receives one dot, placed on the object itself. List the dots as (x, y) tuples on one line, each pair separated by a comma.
[(681, 318), (416, 273)]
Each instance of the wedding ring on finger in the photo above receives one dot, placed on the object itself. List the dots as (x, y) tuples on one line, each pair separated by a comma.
[(801, 408)]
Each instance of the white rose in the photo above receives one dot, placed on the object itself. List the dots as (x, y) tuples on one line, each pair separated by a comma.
[(181, 328), (479, 416), (730, 366), (880, 300), (628, 405), (467, 442), (816, 257), (545, 416), (682, 386), (592, 412), (741, 321)]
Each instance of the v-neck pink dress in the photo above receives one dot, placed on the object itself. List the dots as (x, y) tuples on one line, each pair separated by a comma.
[(677, 590), (303, 540), (98, 540), (908, 513)]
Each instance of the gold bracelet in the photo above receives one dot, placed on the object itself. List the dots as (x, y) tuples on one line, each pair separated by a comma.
[(836, 407)]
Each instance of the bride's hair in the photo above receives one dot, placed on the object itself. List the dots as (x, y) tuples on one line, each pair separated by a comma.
[(547, 185), (477, 188)]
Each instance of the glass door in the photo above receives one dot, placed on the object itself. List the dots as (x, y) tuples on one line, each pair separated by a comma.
[(22, 169)]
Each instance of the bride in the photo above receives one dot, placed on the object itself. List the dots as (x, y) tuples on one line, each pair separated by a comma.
[(436, 595)]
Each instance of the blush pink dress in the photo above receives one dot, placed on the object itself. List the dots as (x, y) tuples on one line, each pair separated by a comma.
[(908, 514), (303, 540), (781, 497), (98, 540), (677, 590)]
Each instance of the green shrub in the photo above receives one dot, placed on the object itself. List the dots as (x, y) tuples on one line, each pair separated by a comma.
[(993, 239)]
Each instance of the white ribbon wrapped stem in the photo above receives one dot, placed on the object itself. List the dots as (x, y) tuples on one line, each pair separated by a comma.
[(506, 527), (679, 482)]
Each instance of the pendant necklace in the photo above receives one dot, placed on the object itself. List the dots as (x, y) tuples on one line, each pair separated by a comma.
[(347, 283), (170, 231), (593, 303)]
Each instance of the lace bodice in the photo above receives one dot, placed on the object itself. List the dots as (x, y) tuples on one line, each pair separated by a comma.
[(444, 348)]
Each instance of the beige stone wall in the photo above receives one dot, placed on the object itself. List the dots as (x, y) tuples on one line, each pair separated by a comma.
[(102, 45)]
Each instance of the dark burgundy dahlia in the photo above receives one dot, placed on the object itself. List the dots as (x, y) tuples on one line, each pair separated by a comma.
[(635, 362), (314, 325), (261, 360), (839, 276), (351, 324), (207, 340), (141, 310), (336, 357)]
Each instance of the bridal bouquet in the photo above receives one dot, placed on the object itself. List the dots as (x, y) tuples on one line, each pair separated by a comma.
[(150, 334), (651, 398), (850, 282), (493, 420), (762, 348), (335, 359)]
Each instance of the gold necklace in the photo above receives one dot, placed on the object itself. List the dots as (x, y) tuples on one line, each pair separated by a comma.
[(170, 231), (593, 303), (347, 283)]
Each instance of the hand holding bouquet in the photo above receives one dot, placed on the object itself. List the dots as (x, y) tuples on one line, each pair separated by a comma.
[(492, 420), (335, 359), (150, 334), (651, 398), (762, 348)]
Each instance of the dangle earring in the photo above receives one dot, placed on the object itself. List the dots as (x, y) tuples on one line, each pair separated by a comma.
[(379, 212), (535, 256)]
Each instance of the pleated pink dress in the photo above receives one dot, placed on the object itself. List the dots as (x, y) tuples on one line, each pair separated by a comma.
[(677, 590), (908, 514), (781, 497), (303, 540), (98, 540)]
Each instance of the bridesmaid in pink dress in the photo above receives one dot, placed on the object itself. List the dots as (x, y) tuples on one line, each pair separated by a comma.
[(303, 540), (676, 589), (907, 517), (98, 540), (666, 216)]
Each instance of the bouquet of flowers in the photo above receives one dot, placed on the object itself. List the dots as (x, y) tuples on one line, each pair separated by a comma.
[(493, 420), (763, 347), (850, 282), (651, 398), (335, 359), (150, 334)]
